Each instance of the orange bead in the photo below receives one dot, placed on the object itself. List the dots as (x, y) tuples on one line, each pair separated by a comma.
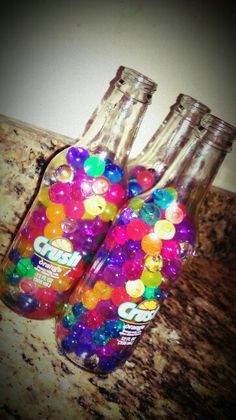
[(151, 244), (103, 290), (25, 248), (90, 299), (52, 230), (62, 284), (55, 213)]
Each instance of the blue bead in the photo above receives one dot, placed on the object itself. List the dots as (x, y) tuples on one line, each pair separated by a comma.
[(27, 303), (100, 336), (14, 279), (76, 156), (14, 255), (134, 189), (113, 172), (85, 349), (78, 309), (162, 198), (107, 364), (113, 328)]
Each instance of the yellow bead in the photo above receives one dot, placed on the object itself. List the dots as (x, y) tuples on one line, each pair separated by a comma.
[(95, 205), (135, 288), (90, 299), (43, 197), (103, 290), (61, 284), (136, 203), (164, 229), (151, 279), (109, 212), (59, 160), (153, 262)]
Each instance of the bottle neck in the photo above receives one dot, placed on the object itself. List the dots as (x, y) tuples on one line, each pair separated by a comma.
[(114, 124), (193, 172)]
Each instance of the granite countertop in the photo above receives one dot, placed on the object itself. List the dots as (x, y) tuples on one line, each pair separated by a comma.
[(184, 366)]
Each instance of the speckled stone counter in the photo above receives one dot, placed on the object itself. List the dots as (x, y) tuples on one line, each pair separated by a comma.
[(184, 366)]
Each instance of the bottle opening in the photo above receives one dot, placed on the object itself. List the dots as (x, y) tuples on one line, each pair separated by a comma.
[(137, 85), (218, 132)]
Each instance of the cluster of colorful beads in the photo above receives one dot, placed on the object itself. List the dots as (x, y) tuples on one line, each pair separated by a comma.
[(141, 180), (79, 197), (141, 257)]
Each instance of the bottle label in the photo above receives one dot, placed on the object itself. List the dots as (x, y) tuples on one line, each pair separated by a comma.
[(53, 259), (136, 317)]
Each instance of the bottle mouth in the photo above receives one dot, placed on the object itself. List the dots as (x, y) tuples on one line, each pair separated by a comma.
[(219, 133), (136, 84), (192, 104)]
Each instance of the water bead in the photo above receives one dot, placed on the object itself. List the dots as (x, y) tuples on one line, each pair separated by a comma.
[(76, 156), (14, 255), (113, 328), (60, 192), (102, 289), (90, 299), (69, 320), (13, 277), (136, 203), (43, 196), (162, 198), (175, 213), (118, 255), (186, 250), (27, 303), (134, 188), (120, 295), (150, 213), (39, 217), (173, 192), (151, 243), (86, 227), (105, 351), (120, 235), (95, 205), (153, 262), (113, 172), (151, 279), (135, 288), (132, 269), (64, 173), (61, 284), (78, 309), (185, 231), (59, 159), (27, 286), (115, 194), (113, 276), (158, 293), (68, 225), (53, 230), (136, 229), (87, 216), (25, 248), (107, 364), (109, 212), (164, 229), (146, 179), (107, 309), (94, 166), (74, 209), (100, 337), (30, 233), (85, 349), (127, 215), (92, 320), (172, 269), (55, 213), (25, 268), (170, 250), (45, 295), (150, 292), (99, 226), (100, 185)]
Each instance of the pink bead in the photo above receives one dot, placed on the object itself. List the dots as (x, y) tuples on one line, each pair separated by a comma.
[(46, 295), (146, 179), (170, 250), (74, 209), (27, 286), (132, 270), (119, 234), (116, 194), (60, 192), (136, 229), (92, 320), (39, 218)]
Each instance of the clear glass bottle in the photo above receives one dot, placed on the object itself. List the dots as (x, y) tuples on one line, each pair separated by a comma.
[(152, 238), (81, 191), (150, 165)]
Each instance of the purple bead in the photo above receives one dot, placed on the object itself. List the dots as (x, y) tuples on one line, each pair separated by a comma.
[(86, 227), (14, 255), (27, 303), (107, 309), (99, 226), (172, 269), (113, 276), (76, 156), (39, 217), (105, 351), (118, 255), (185, 231), (85, 350), (127, 215)]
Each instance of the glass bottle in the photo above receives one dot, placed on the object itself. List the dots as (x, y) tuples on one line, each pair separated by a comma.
[(81, 191), (149, 243), (149, 166)]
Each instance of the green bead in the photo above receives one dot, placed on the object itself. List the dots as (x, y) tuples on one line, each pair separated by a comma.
[(149, 292), (25, 268), (151, 279), (8, 273), (136, 203), (94, 166), (150, 213), (69, 320)]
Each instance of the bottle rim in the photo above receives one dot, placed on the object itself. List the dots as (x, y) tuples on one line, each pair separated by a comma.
[(188, 101), (213, 123)]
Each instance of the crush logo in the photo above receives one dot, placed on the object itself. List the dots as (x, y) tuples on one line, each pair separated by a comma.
[(141, 313), (58, 250)]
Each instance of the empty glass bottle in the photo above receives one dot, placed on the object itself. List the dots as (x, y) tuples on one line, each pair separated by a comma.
[(81, 191), (145, 250), (150, 165)]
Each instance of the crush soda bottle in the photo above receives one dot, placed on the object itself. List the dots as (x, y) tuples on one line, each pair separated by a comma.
[(150, 165), (81, 191), (144, 252)]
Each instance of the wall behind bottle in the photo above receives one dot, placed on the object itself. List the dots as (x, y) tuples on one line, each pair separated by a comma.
[(57, 58)]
